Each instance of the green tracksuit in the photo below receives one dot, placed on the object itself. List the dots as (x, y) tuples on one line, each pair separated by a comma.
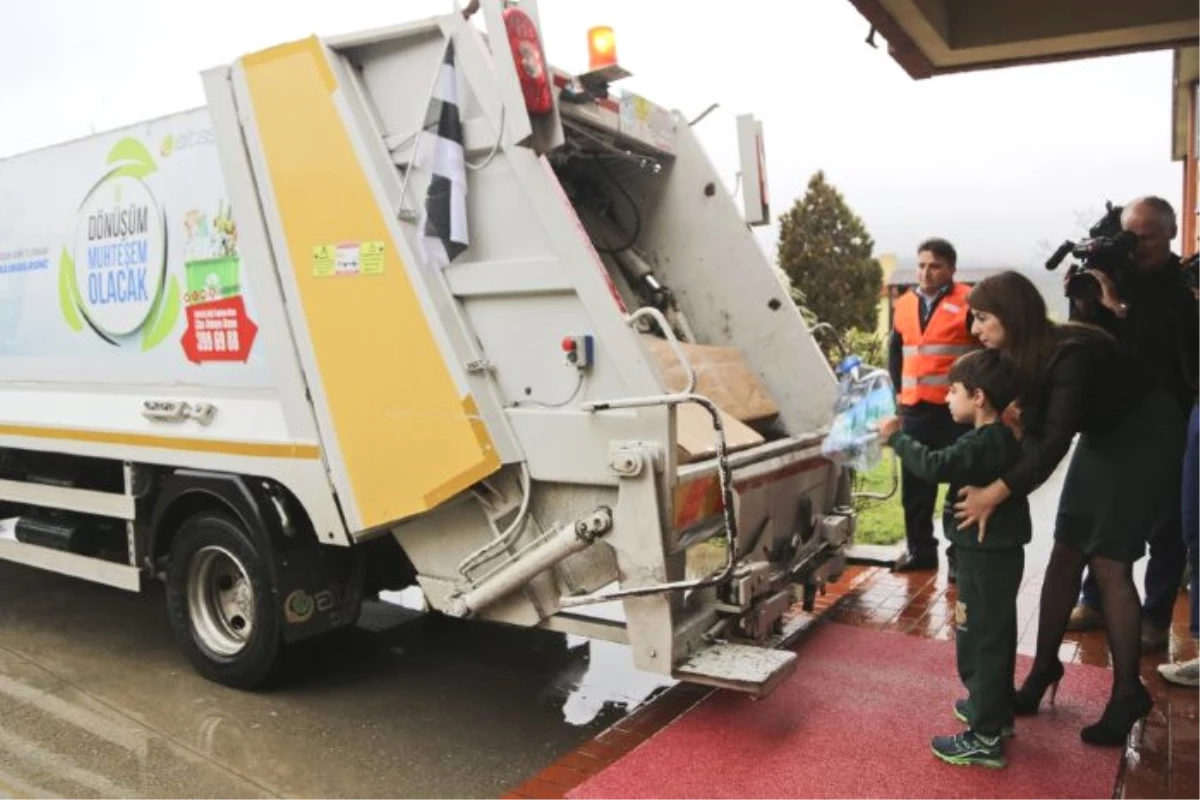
[(989, 572)]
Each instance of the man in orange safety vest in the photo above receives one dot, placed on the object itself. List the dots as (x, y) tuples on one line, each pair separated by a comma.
[(931, 328)]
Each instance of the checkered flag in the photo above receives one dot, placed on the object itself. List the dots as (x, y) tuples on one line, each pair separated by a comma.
[(444, 217)]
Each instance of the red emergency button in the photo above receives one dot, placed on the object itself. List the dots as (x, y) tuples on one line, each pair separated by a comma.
[(569, 344)]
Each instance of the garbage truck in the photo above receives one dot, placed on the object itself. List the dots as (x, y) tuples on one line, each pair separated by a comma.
[(412, 307)]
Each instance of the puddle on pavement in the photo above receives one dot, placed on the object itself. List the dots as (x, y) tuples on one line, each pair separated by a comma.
[(610, 687), (602, 685), (593, 682), (596, 684)]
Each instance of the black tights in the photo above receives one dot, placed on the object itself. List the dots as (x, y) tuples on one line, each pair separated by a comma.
[(1122, 613)]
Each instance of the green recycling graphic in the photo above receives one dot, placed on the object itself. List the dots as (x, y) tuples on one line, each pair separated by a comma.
[(122, 260), (115, 280)]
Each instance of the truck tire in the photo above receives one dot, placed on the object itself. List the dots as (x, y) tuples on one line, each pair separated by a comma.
[(221, 602)]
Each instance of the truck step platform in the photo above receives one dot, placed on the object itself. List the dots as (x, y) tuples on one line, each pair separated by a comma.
[(740, 667), (876, 555)]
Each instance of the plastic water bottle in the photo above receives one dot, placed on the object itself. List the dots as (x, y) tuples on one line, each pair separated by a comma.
[(865, 396)]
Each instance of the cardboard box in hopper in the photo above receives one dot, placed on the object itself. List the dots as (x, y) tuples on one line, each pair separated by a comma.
[(722, 376), (695, 438)]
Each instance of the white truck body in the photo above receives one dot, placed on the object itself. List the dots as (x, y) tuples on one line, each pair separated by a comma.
[(228, 313)]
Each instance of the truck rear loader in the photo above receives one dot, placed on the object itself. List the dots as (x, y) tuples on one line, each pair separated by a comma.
[(412, 307)]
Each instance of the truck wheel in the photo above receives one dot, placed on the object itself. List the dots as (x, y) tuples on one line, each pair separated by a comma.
[(221, 603)]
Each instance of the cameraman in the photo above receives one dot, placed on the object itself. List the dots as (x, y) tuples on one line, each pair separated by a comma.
[(1153, 315)]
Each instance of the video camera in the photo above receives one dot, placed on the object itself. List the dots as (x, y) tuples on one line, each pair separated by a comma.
[(1108, 249)]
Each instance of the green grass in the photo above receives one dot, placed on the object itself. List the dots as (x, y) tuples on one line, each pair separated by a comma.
[(882, 521)]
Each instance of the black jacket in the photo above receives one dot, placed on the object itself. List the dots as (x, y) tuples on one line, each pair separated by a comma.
[(1160, 336), (1087, 387)]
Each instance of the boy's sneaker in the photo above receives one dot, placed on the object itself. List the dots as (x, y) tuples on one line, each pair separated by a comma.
[(970, 749), (960, 713)]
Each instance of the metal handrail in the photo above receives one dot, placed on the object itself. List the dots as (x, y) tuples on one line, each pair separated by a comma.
[(669, 332), (724, 477)]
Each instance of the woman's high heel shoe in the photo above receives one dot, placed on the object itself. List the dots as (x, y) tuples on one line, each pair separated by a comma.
[(1029, 696), (1118, 718)]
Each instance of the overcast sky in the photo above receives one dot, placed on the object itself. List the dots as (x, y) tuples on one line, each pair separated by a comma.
[(1001, 162)]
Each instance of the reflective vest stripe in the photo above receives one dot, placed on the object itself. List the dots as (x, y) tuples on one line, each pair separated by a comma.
[(937, 350), (926, 380), (930, 353)]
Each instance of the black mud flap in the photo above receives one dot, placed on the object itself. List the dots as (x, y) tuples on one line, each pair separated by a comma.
[(320, 589)]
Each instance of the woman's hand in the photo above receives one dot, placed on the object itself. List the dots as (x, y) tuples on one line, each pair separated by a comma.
[(975, 505), (1012, 419), (1109, 298)]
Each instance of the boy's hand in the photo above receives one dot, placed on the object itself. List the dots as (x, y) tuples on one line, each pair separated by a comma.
[(888, 427)]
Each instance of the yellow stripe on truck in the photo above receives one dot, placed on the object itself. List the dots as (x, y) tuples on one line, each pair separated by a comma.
[(253, 449), (407, 438)]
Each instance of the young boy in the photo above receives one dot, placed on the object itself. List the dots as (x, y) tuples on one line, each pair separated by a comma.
[(990, 561)]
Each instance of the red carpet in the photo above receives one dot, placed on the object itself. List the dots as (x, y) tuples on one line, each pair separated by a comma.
[(855, 720)]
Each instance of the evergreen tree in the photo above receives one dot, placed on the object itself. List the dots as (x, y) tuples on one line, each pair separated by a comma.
[(825, 250)]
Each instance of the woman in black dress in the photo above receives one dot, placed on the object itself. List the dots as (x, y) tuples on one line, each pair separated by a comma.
[(1072, 379)]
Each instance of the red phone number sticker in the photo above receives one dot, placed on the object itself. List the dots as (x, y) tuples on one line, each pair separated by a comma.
[(218, 331)]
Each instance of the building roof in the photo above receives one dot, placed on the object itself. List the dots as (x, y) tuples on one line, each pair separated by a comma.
[(935, 37)]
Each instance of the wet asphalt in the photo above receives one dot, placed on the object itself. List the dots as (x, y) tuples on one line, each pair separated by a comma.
[(96, 701)]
